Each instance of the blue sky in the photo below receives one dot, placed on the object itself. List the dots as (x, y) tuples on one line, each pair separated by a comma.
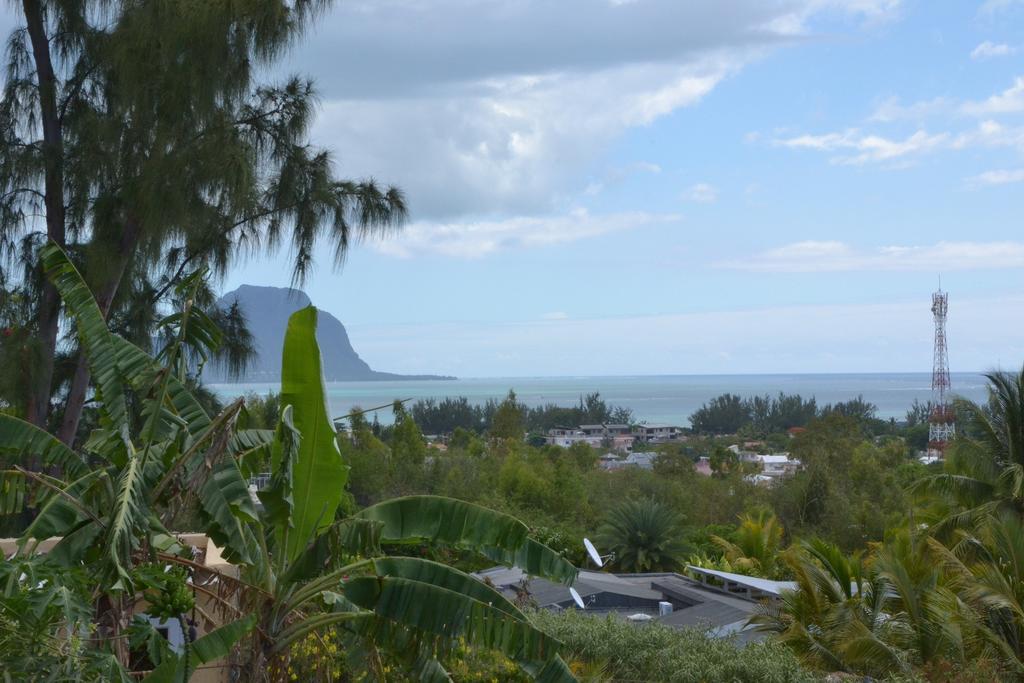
[(654, 187)]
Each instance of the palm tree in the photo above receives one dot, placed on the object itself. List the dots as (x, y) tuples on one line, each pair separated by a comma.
[(756, 545), (984, 471), (834, 619), (644, 536), (303, 564)]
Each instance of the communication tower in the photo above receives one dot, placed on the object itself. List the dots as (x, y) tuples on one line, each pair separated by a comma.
[(942, 421)]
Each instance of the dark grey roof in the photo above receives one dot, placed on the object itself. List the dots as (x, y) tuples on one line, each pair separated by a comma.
[(693, 603), (710, 613)]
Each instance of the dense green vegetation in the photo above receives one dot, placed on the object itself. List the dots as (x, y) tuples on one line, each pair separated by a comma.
[(765, 415), (621, 651), (449, 414), (903, 570), (306, 560)]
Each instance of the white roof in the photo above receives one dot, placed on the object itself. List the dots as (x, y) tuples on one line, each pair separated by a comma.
[(775, 459), (765, 585)]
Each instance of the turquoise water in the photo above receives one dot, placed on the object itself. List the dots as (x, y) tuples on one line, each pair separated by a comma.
[(668, 399)]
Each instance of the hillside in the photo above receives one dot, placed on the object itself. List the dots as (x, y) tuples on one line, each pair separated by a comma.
[(267, 309)]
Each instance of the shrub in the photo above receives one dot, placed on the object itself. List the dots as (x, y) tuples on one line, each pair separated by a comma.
[(653, 652)]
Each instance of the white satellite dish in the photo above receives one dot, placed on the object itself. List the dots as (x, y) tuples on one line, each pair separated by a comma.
[(592, 551), (576, 598)]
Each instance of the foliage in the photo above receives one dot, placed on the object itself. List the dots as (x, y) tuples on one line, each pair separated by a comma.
[(754, 547), (452, 413), (151, 159), (304, 565), (653, 652), (984, 472), (643, 536), (765, 415)]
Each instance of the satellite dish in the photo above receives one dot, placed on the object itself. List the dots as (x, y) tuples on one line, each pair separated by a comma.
[(576, 598), (592, 551)]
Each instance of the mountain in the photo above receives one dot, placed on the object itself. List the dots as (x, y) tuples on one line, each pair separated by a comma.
[(267, 309)]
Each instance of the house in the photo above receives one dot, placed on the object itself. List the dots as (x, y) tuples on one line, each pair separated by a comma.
[(596, 436), (668, 598), (771, 467), (777, 464), (642, 459), (657, 433), (605, 431)]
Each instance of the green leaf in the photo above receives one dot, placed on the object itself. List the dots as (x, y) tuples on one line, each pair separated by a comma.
[(443, 576), (60, 514), (448, 614), (555, 671), (214, 645), (536, 559), (25, 440), (142, 372), (346, 539), (13, 490), (437, 519), (229, 512), (129, 509), (319, 473), (93, 335), (277, 497)]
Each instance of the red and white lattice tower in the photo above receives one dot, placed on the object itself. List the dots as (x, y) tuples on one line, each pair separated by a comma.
[(941, 422)]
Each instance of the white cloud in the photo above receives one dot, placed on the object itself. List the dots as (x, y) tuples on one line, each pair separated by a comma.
[(525, 96), (703, 193), (1009, 101), (556, 315), (834, 256), (516, 145), (988, 50), (867, 147), (990, 134), (997, 177), (475, 239)]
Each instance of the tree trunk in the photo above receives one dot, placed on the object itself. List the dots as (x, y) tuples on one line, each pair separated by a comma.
[(121, 256), (37, 409)]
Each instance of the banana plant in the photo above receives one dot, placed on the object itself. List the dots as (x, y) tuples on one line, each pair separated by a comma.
[(300, 565), (306, 566)]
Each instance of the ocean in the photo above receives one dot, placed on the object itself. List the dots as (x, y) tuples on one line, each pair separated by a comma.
[(668, 399)]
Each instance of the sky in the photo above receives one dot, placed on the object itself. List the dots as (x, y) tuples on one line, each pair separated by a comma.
[(607, 187)]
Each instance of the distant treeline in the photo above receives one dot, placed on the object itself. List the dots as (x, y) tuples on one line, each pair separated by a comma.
[(446, 415), (729, 413)]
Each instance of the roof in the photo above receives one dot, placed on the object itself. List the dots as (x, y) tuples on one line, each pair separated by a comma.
[(608, 426), (776, 459), (765, 585), (640, 458), (694, 604)]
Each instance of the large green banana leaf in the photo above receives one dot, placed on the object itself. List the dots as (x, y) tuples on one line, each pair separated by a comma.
[(443, 576), (25, 440), (446, 520), (318, 474), (449, 614), (93, 335), (142, 371), (112, 359)]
